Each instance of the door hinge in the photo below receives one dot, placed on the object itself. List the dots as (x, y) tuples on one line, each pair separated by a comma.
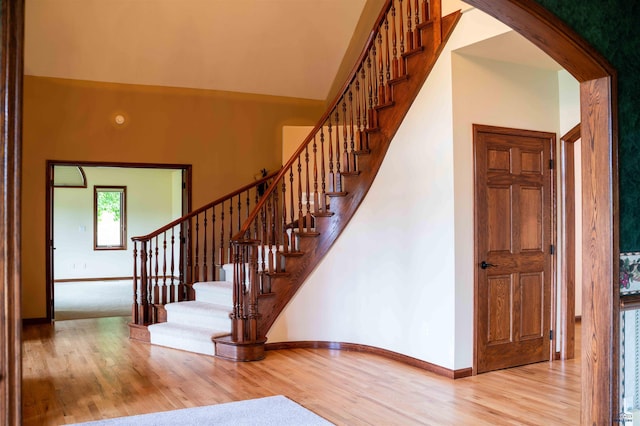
[(551, 164), (552, 249), (550, 334), (184, 185)]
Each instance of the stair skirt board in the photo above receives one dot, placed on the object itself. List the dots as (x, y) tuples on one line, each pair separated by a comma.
[(186, 338)]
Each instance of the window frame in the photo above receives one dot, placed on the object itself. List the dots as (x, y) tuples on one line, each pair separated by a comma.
[(123, 216)]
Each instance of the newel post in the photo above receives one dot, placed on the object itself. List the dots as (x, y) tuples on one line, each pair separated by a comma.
[(245, 315), (244, 344)]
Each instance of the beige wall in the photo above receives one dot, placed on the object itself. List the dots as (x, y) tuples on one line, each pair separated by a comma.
[(227, 137)]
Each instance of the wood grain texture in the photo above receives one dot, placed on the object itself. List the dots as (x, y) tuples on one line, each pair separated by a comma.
[(568, 267), (354, 347), (12, 23), (83, 370), (513, 218), (600, 269)]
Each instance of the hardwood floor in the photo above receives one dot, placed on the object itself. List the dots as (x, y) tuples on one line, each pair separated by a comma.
[(84, 370)]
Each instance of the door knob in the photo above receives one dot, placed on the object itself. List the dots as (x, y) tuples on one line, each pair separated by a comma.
[(485, 265)]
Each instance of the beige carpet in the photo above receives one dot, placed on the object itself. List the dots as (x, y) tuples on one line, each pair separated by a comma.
[(92, 299)]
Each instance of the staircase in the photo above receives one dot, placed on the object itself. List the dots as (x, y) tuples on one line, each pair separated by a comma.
[(215, 280)]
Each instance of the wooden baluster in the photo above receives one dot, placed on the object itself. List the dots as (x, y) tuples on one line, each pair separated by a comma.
[(332, 179), (426, 11), (156, 286), (410, 39), (358, 114), (316, 200), (196, 266), (307, 189), (364, 137), (352, 145), (276, 241), (184, 251), (285, 235), (372, 85), (323, 194), (269, 240), (172, 289), (394, 44), (345, 138), (214, 266), (263, 239), (338, 174), (435, 14), (164, 268), (222, 256), (417, 36), (387, 60), (380, 70), (256, 228), (239, 214), (276, 233), (292, 214), (230, 238), (143, 307), (300, 217), (205, 253), (135, 313), (402, 64)]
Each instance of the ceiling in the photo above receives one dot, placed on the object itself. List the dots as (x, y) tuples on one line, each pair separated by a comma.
[(511, 47), (270, 47)]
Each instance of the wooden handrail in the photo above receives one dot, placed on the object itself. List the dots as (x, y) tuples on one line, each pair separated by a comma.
[(205, 207), (327, 115)]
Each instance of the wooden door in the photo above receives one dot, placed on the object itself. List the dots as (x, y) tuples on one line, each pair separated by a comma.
[(513, 232)]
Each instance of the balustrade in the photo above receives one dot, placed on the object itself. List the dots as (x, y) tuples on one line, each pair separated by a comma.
[(259, 226)]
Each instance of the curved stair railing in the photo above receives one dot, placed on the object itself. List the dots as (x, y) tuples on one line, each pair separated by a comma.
[(193, 248), (314, 195)]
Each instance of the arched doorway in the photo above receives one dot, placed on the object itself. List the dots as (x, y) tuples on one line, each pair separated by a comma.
[(597, 79)]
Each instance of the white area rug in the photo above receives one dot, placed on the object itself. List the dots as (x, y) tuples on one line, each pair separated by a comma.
[(273, 410), (92, 299)]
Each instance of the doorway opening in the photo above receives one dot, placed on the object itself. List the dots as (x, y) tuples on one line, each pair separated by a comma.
[(87, 275)]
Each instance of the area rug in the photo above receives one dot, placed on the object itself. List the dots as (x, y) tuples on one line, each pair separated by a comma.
[(269, 411)]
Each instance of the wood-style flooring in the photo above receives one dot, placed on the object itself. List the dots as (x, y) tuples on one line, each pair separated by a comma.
[(82, 370)]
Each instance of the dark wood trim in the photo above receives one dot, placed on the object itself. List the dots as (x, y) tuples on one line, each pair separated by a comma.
[(123, 216), (12, 16), (187, 179), (75, 280), (84, 180), (568, 242), (355, 347), (578, 319), (600, 342), (35, 321)]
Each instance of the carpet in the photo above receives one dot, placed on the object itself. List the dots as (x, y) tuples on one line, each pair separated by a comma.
[(269, 411), (92, 299)]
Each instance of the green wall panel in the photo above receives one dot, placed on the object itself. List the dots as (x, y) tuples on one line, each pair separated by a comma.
[(613, 28)]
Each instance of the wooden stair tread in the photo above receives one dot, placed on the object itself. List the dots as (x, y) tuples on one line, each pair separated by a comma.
[(336, 194), (351, 173)]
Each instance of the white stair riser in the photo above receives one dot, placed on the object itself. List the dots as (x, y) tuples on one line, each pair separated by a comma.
[(220, 296), (200, 346), (220, 321)]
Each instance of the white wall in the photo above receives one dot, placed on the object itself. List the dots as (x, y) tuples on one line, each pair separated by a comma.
[(569, 94), (401, 275), (150, 204)]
